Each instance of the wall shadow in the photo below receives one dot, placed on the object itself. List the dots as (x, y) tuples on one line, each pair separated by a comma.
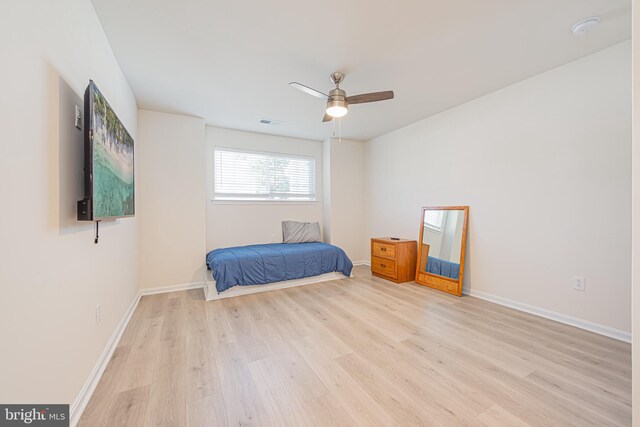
[(70, 160)]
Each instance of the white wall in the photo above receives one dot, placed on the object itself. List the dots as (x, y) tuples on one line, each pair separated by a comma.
[(344, 196), (244, 223), (433, 239), (52, 274), (557, 145), (172, 198), (635, 403)]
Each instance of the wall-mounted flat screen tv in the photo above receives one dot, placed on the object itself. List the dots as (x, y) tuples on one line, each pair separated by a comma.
[(108, 162)]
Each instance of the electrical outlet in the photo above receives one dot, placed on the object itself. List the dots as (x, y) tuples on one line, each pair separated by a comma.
[(578, 283), (98, 314)]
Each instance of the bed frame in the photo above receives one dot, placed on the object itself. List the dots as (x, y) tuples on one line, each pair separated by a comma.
[(211, 293)]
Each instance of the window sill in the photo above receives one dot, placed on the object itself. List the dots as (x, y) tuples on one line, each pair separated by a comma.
[(263, 202), (433, 229)]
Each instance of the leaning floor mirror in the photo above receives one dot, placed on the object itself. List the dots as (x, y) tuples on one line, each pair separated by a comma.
[(443, 237)]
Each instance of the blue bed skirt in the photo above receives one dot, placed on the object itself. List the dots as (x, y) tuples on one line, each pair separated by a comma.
[(276, 262)]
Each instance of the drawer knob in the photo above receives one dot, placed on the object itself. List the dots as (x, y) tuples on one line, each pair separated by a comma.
[(383, 265), (383, 249)]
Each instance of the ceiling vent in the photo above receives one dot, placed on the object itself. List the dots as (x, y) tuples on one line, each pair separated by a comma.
[(271, 122)]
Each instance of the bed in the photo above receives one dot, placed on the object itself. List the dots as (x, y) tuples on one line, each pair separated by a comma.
[(443, 267), (274, 263)]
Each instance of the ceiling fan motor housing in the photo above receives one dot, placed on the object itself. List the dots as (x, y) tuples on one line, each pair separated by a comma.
[(338, 94)]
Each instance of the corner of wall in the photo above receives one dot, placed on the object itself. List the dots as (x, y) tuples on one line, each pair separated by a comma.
[(326, 190)]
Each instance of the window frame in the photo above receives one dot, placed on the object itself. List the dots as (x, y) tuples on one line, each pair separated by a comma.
[(264, 201), (434, 227)]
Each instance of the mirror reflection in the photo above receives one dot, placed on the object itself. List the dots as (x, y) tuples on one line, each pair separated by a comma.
[(442, 242)]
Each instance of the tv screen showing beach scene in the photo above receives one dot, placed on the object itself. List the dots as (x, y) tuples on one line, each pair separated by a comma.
[(112, 161)]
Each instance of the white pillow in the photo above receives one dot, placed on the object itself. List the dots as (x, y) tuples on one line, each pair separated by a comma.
[(300, 232)]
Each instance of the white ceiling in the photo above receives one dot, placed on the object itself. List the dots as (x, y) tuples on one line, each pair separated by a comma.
[(230, 61)]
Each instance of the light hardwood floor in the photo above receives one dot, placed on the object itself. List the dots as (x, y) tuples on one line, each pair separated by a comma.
[(358, 351)]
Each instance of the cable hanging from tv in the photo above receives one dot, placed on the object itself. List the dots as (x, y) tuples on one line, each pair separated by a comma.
[(97, 237)]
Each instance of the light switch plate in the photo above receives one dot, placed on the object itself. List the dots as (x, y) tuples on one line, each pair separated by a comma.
[(78, 118)]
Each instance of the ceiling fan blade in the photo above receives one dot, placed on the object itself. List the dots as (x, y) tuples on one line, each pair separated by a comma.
[(326, 118), (370, 97), (307, 89)]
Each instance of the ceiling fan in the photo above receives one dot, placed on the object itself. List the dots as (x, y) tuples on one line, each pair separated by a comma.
[(338, 101)]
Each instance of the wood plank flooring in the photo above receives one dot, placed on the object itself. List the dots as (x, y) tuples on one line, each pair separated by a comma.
[(359, 351)]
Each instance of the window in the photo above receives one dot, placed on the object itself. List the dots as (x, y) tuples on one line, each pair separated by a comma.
[(433, 219), (242, 175)]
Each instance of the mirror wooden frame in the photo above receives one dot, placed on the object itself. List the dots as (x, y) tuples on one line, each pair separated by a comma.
[(446, 284)]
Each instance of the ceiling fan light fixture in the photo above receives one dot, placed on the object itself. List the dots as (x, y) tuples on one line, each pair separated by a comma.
[(337, 108)]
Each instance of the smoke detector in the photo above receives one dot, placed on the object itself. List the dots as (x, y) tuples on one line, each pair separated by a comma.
[(582, 27)]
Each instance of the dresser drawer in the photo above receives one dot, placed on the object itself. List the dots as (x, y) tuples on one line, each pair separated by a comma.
[(384, 250), (383, 266)]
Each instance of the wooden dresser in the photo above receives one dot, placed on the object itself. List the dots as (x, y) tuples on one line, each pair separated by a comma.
[(393, 259)]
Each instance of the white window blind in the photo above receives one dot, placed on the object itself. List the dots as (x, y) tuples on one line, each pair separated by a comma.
[(433, 219), (242, 175)]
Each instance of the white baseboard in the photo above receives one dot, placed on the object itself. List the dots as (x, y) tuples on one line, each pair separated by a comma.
[(552, 315), (355, 263), (171, 288), (78, 406)]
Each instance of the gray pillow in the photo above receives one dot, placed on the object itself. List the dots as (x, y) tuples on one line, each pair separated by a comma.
[(300, 232)]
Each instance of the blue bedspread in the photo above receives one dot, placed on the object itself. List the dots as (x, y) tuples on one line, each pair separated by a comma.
[(443, 267), (261, 264)]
